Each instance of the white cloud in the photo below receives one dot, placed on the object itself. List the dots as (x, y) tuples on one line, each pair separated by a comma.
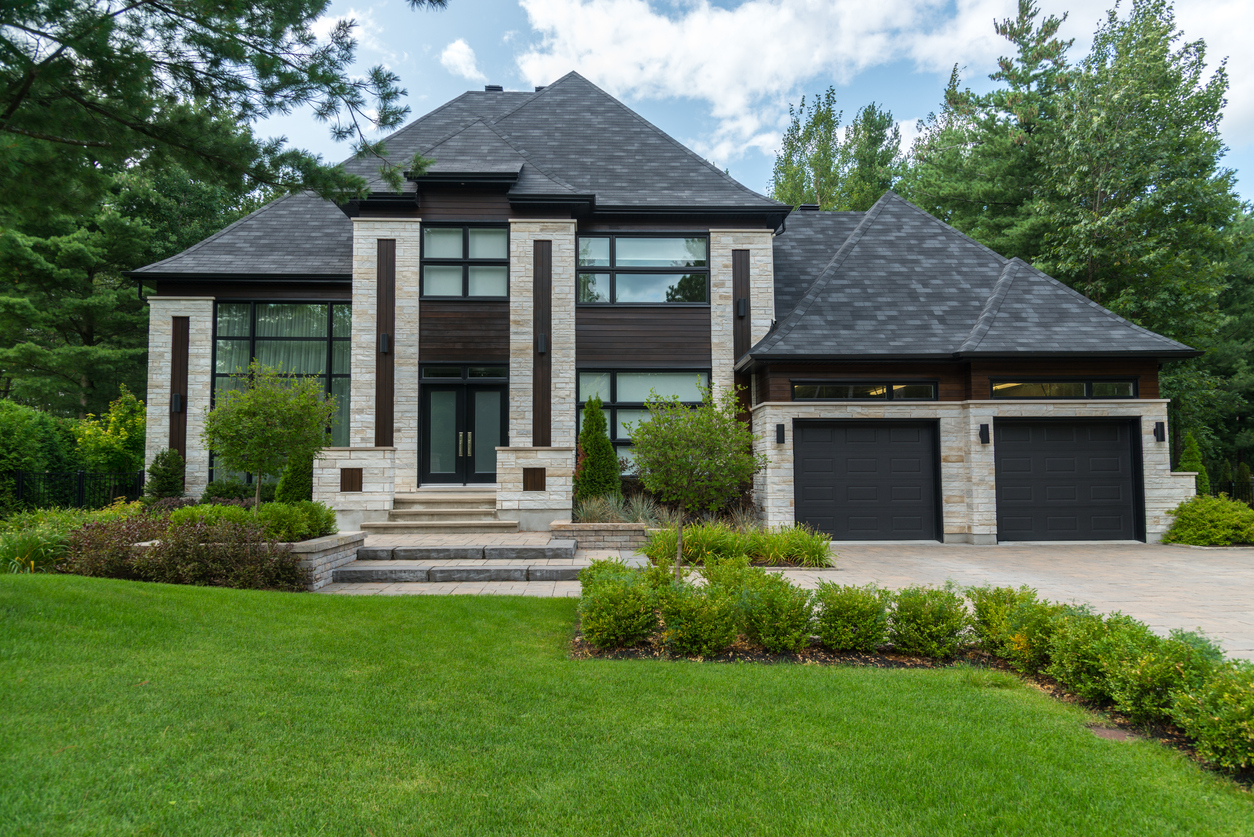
[(746, 63), (459, 59)]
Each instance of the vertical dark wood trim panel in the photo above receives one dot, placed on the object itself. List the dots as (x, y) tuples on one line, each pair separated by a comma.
[(741, 330), (542, 348), (180, 339), (385, 334)]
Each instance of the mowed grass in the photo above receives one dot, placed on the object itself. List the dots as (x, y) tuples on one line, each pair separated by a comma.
[(150, 709)]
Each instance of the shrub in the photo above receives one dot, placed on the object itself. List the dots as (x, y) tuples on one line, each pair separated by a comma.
[(211, 515), (1029, 627), (321, 518), (235, 491), (62, 521), (1085, 645), (601, 570), (1211, 521), (1144, 686), (597, 474), (716, 540), (1219, 716), (277, 521), (927, 621), (31, 441), (165, 475), (990, 608), (115, 440), (220, 554), (1191, 460), (106, 548), (777, 614), (296, 482), (34, 550), (700, 621), (852, 618), (283, 522), (617, 607)]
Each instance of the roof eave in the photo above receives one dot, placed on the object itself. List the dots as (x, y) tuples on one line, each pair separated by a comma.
[(140, 275)]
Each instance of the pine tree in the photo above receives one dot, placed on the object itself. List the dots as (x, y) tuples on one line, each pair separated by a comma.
[(165, 475), (296, 483), (1191, 460), (598, 474)]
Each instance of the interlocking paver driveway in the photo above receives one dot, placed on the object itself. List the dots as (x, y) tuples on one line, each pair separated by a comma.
[(1164, 586)]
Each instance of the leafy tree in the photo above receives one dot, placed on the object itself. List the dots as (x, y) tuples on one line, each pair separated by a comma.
[(597, 472), (90, 85), (979, 164), (115, 440), (699, 458), (1191, 460), (31, 441), (872, 149), (166, 475), (271, 420)]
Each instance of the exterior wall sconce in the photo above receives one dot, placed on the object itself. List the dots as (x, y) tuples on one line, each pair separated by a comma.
[(1160, 431), (779, 434), (542, 344), (176, 402), (741, 308), (983, 434), (385, 343)]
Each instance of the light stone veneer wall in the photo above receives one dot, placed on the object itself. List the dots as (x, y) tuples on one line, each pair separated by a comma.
[(968, 477), (535, 510), (723, 306), (199, 311), (366, 234), (378, 480)]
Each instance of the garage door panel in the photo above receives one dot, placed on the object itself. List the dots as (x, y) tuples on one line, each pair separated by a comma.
[(884, 482), (1065, 480)]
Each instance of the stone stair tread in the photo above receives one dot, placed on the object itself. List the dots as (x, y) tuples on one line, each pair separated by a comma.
[(439, 526), (420, 571)]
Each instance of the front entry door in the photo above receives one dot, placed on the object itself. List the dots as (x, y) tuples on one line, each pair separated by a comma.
[(461, 429)]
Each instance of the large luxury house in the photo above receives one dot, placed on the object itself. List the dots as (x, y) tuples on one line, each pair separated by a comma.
[(903, 381)]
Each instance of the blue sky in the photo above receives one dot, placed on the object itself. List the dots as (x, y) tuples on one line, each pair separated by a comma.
[(719, 76)]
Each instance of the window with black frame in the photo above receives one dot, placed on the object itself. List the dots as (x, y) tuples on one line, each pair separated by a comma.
[(465, 261), (644, 270), (623, 394), (1064, 388), (298, 338), (863, 391)]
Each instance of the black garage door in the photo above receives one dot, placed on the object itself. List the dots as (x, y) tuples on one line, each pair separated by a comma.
[(872, 480), (1059, 481)]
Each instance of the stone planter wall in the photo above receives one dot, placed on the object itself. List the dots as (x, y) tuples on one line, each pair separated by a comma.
[(602, 535), (321, 556)]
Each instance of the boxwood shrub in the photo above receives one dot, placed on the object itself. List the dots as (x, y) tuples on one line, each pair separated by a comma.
[(777, 614), (1029, 628), (618, 608), (990, 610), (700, 621), (1144, 686), (1219, 716), (927, 621), (852, 618)]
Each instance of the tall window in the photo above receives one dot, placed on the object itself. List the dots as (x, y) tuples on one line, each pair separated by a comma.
[(465, 261), (623, 395), (300, 338), (627, 269)]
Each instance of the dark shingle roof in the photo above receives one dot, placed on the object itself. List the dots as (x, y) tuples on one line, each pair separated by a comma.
[(300, 235), (804, 249), (905, 284)]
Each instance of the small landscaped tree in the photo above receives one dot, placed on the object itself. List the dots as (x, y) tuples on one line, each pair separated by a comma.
[(699, 458), (165, 475), (1191, 460), (596, 472), (274, 418)]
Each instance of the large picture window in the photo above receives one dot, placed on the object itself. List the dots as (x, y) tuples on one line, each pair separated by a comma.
[(623, 394), (863, 391), (644, 270), (299, 338), (1059, 388), (465, 261)]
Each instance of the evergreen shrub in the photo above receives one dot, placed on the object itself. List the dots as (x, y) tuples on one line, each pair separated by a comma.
[(777, 614), (296, 481), (1029, 627), (617, 607), (852, 618), (1191, 460), (597, 474), (927, 622), (165, 475), (1211, 521), (991, 608), (699, 621), (1145, 685), (1219, 716), (1086, 646)]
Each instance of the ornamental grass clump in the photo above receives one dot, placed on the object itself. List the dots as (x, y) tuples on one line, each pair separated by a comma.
[(34, 550), (777, 614), (1219, 716), (927, 622), (698, 621), (851, 619), (1211, 521)]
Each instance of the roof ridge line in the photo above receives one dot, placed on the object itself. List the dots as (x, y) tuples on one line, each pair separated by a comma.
[(226, 229), (403, 128), (460, 130), (947, 226), (812, 293), (535, 95), (992, 305)]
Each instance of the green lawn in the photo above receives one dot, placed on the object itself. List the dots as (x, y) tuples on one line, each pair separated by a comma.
[(149, 709)]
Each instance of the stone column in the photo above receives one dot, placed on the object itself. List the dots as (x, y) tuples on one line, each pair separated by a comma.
[(161, 313), (722, 306)]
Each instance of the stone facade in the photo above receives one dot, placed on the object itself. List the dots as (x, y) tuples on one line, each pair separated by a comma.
[(535, 510), (603, 535), (199, 311), (321, 556), (378, 483), (968, 477), (722, 306)]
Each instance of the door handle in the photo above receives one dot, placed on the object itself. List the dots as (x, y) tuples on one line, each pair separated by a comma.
[(459, 443), (470, 443)]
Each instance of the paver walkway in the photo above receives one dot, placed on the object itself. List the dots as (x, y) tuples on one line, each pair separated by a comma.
[(1165, 586)]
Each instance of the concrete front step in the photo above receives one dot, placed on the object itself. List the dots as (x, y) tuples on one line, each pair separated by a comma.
[(407, 571), (441, 500), (436, 527), (405, 515), (553, 550)]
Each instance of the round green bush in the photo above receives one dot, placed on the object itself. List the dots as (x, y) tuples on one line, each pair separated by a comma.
[(991, 608), (699, 621), (852, 618), (1029, 626), (1219, 716), (1211, 521), (777, 614), (617, 610), (927, 621), (1144, 686)]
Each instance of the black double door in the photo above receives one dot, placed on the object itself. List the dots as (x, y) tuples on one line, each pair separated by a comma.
[(461, 428)]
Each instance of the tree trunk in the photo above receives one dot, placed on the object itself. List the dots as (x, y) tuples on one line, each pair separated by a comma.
[(679, 546), (257, 498)]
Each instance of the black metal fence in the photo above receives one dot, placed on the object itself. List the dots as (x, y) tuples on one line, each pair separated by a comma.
[(1236, 489), (77, 489)]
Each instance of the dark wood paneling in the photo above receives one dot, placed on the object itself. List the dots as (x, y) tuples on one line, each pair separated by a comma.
[(652, 336), (385, 330), (542, 337), (534, 479), (464, 206), (1144, 370), (179, 341), (313, 291), (951, 378), (463, 331), (740, 291), (350, 479)]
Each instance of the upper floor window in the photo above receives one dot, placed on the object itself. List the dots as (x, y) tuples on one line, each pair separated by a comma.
[(644, 269), (462, 261), (863, 391), (1063, 389)]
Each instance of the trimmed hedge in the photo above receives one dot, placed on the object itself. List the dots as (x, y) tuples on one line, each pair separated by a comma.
[(852, 618)]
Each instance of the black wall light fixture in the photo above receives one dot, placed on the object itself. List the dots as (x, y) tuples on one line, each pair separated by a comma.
[(983, 434), (385, 343), (1160, 431), (779, 434)]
